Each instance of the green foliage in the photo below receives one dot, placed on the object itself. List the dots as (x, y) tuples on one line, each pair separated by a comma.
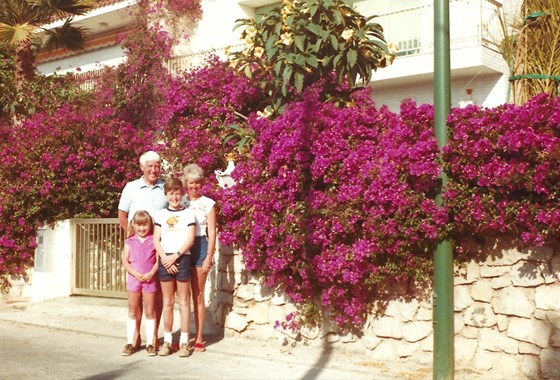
[(303, 41), (21, 26)]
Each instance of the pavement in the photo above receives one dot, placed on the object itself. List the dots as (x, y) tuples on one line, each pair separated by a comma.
[(102, 322)]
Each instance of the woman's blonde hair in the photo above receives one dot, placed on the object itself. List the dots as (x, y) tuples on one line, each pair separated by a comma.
[(141, 217), (192, 172)]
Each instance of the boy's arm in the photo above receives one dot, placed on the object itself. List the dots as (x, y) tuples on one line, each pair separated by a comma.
[(166, 261), (189, 241)]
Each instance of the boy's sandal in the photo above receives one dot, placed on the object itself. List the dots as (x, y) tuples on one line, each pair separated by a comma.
[(199, 347)]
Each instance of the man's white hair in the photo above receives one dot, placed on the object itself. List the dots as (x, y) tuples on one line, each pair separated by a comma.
[(149, 156)]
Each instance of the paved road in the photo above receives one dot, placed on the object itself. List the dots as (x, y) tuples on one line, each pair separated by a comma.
[(37, 352), (82, 338)]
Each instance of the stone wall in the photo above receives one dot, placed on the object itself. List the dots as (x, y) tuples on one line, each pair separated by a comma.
[(507, 314)]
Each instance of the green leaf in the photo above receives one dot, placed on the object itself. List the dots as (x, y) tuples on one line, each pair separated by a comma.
[(298, 81), (299, 42), (248, 72), (334, 41), (312, 61), (351, 57), (315, 29)]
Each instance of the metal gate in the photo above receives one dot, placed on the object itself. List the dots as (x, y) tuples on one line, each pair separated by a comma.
[(97, 247)]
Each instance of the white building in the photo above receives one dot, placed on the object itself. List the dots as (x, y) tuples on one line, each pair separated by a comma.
[(475, 34)]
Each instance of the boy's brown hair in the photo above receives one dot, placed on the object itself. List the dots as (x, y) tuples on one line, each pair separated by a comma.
[(172, 184)]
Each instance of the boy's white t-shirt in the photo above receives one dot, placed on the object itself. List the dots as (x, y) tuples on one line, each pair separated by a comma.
[(174, 226), (200, 207)]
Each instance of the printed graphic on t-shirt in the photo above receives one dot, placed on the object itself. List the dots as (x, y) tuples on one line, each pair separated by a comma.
[(172, 221)]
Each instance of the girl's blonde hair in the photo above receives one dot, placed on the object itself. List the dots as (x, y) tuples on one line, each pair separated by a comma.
[(141, 218)]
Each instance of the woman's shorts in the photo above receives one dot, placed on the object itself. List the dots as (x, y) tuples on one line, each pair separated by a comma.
[(133, 285), (199, 251), (183, 264)]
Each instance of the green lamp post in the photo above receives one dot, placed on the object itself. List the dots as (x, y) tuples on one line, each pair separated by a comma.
[(444, 351)]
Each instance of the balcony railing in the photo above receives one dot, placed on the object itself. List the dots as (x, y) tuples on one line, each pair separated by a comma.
[(472, 22)]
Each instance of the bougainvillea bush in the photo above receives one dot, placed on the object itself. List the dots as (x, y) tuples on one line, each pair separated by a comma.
[(331, 202), (69, 164), (204, 104), (503, 169)]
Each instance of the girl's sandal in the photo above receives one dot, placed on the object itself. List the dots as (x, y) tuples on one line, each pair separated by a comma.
[(199, 347)]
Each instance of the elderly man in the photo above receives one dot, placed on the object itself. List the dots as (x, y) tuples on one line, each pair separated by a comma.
[(145, 193)]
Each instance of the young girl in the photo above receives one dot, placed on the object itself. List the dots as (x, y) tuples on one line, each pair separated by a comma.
[(139, 259), (203, 249)]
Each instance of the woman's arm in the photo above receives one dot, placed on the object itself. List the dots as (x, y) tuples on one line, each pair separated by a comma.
[(211, 231)]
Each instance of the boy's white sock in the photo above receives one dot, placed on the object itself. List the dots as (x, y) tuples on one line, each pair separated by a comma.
[(184, 339), (167, 337), (130, 329)]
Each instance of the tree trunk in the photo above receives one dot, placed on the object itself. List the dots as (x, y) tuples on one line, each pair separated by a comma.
[(25, 65)]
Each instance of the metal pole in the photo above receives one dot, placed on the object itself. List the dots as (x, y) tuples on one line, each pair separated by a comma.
[(444, 351)]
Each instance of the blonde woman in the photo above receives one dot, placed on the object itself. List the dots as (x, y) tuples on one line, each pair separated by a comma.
[(202, 251)]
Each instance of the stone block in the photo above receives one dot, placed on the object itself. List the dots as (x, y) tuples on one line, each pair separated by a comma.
[(370, 341), (245, 292), (493, 340), (550, 363), (424, 314), (427, 345), (236, 322), (484, 360), (526, 274), (529, 349), (555, 265), (502, 255), (480, 315), (514, 301), (415, 331), (500, 282), (470, 332), (385, 351), (387, 327), (262, 293), (548, 297), (540, 254), (482, 291), (467, 274), (465, 349), (258, 313), (405, 350), (529, 330), (530, 366), (462, 298), (502, 322), (487, 271)]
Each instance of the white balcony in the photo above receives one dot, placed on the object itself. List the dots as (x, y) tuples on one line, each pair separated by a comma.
[(475, 35)]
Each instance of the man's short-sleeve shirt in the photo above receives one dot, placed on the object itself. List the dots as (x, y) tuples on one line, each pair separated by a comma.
[(174, 226), (137, 195)]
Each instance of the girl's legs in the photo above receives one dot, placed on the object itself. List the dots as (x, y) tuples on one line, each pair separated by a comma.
[(183, 293), (168, 292), (149, 312), (134, 317), (198, 285)]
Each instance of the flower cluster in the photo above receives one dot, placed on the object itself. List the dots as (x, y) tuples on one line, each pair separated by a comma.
[(502, 165), (333, 201)]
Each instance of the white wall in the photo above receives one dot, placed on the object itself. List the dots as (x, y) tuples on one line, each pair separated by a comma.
[(52, 276)]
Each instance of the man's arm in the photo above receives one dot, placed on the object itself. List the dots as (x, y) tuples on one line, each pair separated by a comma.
[(123, 220)]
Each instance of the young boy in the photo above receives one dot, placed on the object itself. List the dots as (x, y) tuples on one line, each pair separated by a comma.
[(174, 235)]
